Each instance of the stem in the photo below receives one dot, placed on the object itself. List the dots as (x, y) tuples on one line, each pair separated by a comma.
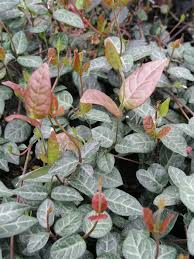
[(57, 78), (70, 137), (157, 248), (128, 159), (81, 85), (119, 31), (90, 231), (171, 55), (12, 247)]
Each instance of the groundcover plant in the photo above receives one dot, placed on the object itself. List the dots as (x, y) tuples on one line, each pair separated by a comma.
[(87, 85)]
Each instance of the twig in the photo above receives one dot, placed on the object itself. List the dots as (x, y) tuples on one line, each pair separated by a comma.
[(91, 230), (128, 159)]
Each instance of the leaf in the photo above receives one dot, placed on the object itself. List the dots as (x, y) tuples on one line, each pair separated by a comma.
[(66, 143), (122, 203), (8, 4), (112, 179), (65, 99), (105, 162), (112, 55), (164, 107), (3, 162), (31, 192), (99, 202), (30, 61), (20, 42), (135, 143), (163, 132), (103, 135), (65, 165), (148, 219), (18, 226), (53, 149), (38, 95), (102, 228), (137, 245), (97, 115), (187, 192), (181, 72), (10, 211), (46, 213), (190, 237), (149, 126), (84, 183), (175, 141), (17, 131), (65, 193), (154, 179), (167, 252), (170, 196), (68, 224), (94, 96), (37, 241), (107, 244), (176, 175), (41, 171), (4, 191), (71, 248), (141, 83), (68, 18)]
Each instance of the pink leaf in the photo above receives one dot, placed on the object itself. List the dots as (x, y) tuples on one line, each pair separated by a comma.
[(141, 83), (15, 87), (33, 122), (99, 202), (93, 96), (38, 95), (97, 217)]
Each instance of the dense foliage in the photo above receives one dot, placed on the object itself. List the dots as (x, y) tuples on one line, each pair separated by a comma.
[(85, 86)]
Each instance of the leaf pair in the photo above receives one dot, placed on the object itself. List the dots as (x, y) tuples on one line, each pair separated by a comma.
[(99, 204)]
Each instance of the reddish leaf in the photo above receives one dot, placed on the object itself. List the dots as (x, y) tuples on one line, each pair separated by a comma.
[(166, 223), (148, 219), (189, 150), (141, 83), (65, 142), (15, 87), (93, 96), (52, 56), (38, 95), (163, 132), (99, 202), (33, 122), (97, 217), (149, 125)]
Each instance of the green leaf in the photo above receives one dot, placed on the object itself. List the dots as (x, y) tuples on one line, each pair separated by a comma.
[(135, 143), (32, 192), (4, 191), (30, 61), (17, 131), (84, 183), (68, 224), (107, 244), (167, 252), (103, 135), (127, 62), (108, 256), (5, 93), (65, 99), (112, 179), (37, 241), (154, 179), (46, 213), (18, 226), (10, 211), (175, 141), (176, 175), (97, 115), (122, 203), (20, 42), (65, 165), (3, 162), (137, 245), (105, 162), (68, 248), (181, 73), (170, 196), (68, 18), (59, 41), (37, 173), (187, 192), (65, 193), (8, 4), (190, 237), (2, 106), (102, 228), (164, 107)]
